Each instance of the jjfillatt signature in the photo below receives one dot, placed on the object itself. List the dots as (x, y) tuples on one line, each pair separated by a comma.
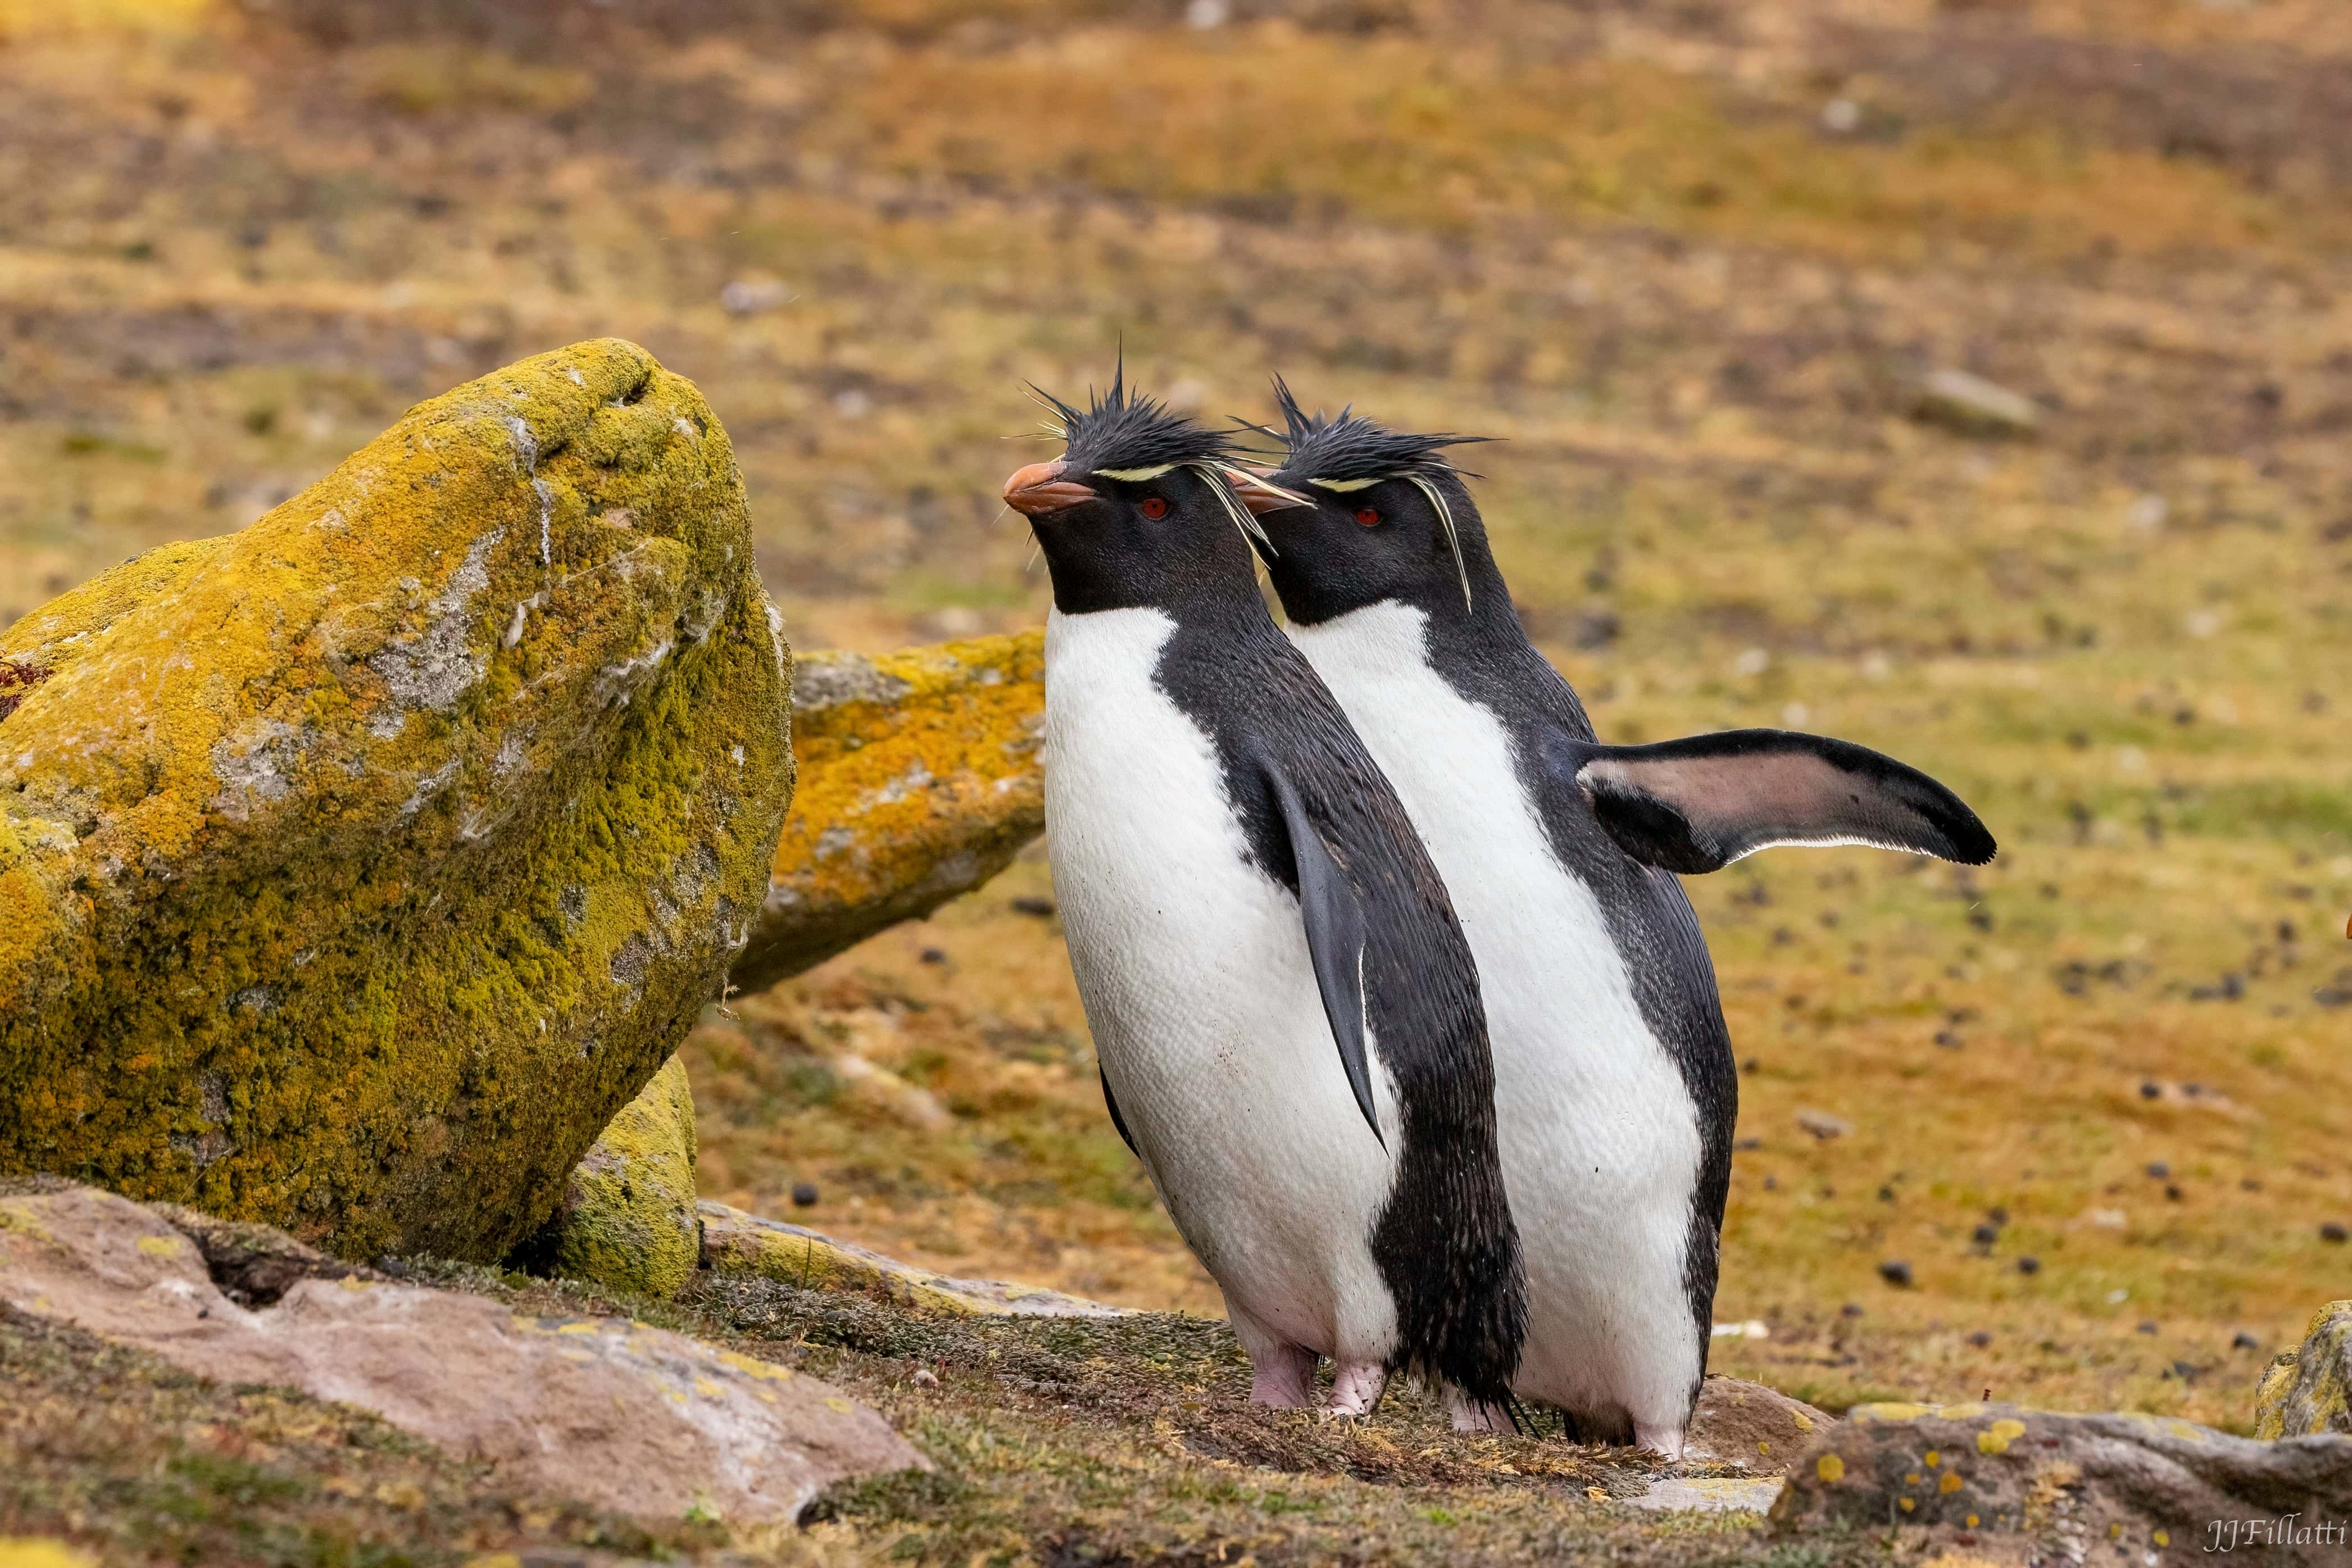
[(2288, 1530)]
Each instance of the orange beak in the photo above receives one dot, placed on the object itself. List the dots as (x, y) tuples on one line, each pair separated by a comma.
[(1039, 490), (1260, 496)]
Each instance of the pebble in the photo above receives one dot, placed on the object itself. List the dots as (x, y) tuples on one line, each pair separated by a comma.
[(2241, 1340), (935, 955), (1997, 1215), (1851, 1310), (2149, 1327), (2159, 1169), (1981, 1339), (1986, 1235), (1895, 1272), (1043, 908), (1824, 1126), (2029, 1265), (2331, 1231), (804, 1194)]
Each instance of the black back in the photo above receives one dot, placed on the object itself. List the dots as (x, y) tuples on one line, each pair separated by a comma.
[(1445, 1243)]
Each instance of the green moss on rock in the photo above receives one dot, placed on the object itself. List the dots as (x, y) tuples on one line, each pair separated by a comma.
[(356, 868), (626, 1220), (2309, 1390)]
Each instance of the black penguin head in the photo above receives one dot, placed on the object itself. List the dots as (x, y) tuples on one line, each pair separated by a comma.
[(1139, 509), (1386, 516)]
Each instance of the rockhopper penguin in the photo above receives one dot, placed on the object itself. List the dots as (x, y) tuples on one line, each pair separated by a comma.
[(1287, 1015), (1616, 1091)]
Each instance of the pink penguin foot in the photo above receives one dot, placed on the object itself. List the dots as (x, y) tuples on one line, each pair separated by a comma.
[(1283, 1377), (1666, 1440), (1470, 1415), (1356, 1387)]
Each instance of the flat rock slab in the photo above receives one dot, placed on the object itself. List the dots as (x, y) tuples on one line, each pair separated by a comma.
[(734, 1241), (2014, 1484), (1730, 1494), (607, 1411)]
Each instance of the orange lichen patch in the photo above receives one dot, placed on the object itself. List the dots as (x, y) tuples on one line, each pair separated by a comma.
[(919, 781), (397, 839)]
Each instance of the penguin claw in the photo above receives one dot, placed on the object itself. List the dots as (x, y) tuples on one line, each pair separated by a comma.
[(1356, 1388), (1666, 1441)]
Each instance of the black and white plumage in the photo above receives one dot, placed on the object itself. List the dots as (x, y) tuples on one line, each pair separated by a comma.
[(1617, 1091), (1286, 1014)]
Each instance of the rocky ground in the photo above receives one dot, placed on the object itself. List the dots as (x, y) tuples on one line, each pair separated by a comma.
[(2068, 1131)]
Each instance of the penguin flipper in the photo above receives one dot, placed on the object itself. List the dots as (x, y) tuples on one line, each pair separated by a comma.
[(1698, 803), (1118, 1122), (1335, 940)]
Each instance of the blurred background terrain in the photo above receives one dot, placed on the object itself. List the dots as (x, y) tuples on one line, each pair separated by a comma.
[(2075, 1128)]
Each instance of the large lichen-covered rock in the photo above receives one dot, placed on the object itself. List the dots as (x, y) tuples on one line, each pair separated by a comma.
[(2309, 1389), (626, 1219), (2150, 1486), (919, 780), (356, 868)]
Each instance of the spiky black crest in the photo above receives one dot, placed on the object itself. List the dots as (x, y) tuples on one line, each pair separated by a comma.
[(1127, 435), (1350, 449)]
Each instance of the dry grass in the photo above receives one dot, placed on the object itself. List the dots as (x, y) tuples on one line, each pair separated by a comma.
[(230, 251)]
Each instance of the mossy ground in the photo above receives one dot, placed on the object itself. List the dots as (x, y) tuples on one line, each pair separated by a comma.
[(2126, 641)]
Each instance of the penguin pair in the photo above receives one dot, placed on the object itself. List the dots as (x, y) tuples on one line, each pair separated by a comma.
[(1481, 1134)]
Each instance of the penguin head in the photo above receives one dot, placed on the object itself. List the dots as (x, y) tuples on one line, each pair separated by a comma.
[(1359, 513), (1139, 509)]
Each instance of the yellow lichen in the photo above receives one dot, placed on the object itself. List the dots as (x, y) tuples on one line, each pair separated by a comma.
[(2308, 1390), (626, 1219), (1997, 1438), (405, 831), (919, 781)]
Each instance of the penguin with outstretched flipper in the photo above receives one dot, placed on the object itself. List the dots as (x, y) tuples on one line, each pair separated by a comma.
[(1616, 1091), (1287, 1015)]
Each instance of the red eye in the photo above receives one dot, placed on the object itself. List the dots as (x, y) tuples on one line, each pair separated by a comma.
[(1155, 506), (1367, 516)]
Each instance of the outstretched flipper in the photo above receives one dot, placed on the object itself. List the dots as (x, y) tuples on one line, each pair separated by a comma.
[(1698, 803), (1335, 940)]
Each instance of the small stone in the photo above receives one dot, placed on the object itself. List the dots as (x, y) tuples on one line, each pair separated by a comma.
[(2149, 1327), (805, 1195), (2171, 1192), (2159, 1169), (1981, 1339), (1973, 405), (2332, 1231), (935, 955), (2151, 1091), (1895, 1273), (2183, 1369), (925, 1378), (2241, 1340), (1986, 1235), (1949, 1040), (392, 1266), (753, 297), (1851, 1310), (1997, 1215), (2029, 1265), (1042, 908), (1886, 1195), (1824, 1126)]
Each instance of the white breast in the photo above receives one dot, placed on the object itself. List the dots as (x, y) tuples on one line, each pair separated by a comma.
[(1599, 1139), (1193, 967)]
